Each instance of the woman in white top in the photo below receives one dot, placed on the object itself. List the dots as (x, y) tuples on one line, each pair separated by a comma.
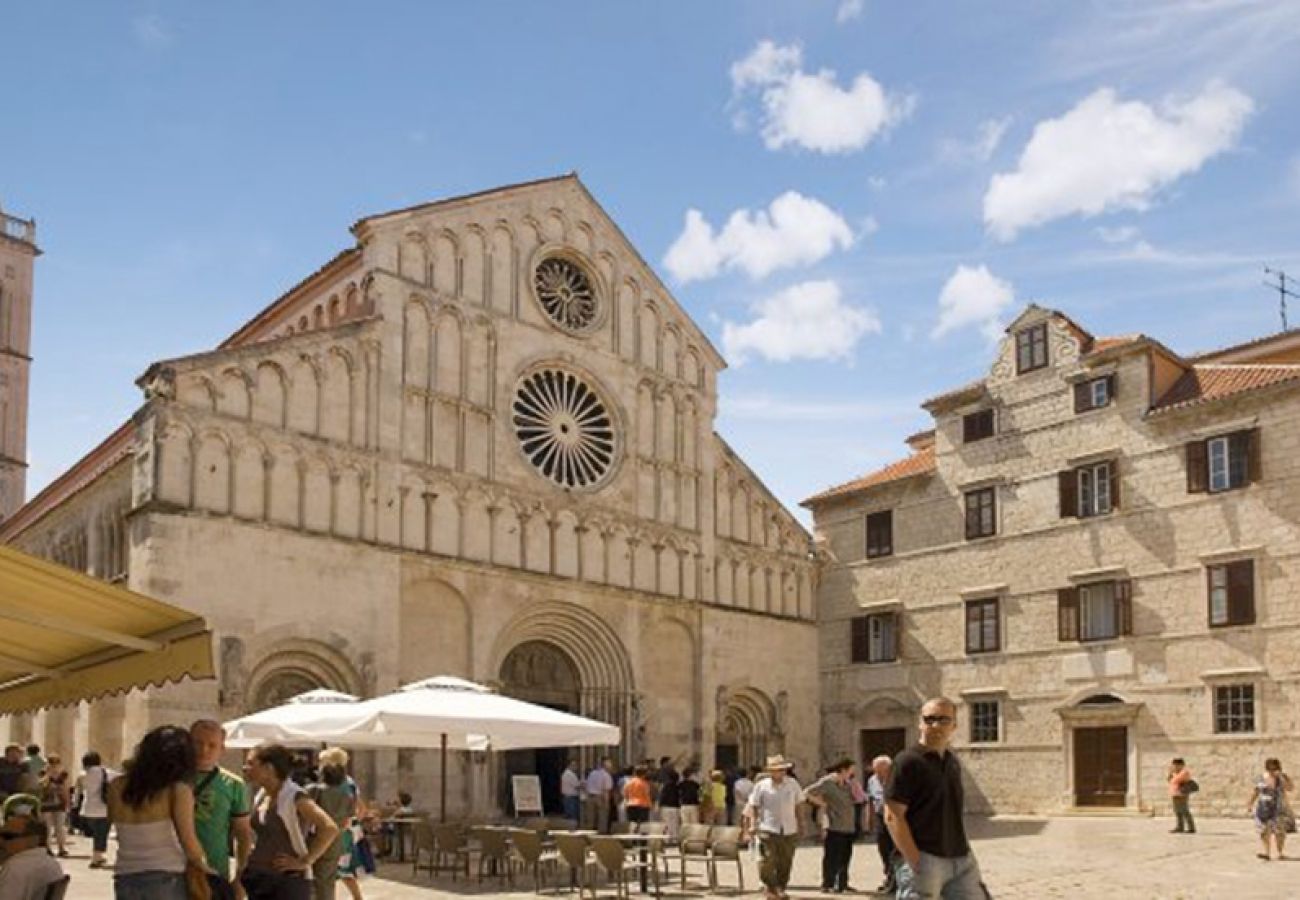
[(93, 787), (153, 809)]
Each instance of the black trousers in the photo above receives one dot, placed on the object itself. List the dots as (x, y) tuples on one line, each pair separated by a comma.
[(837, 852), (885, 844)]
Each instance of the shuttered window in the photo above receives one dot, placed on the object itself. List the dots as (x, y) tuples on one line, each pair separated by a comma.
[(1095, 612), (880, 533), (1091, 490), (1223, 463), (981, 513), (875, 638), (977, 426), (1232, 593), (1031, 348), (1094, 394)]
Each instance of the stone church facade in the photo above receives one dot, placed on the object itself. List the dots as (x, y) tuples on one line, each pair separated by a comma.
[(1095, 552), (480, 443)]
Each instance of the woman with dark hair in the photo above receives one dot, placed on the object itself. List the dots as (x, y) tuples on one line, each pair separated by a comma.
[(92, 787), (152, 806), (280, 867), (1268, 805)]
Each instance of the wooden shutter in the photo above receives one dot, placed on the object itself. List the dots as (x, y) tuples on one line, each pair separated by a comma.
[(860, 639), (1111, 381), (1124, 606), (1253, 472), (1241, 591), (896, 628), (1082, 397), (972, 517), (1114, 483), (1069, 481), (1067, 614), (1198, 472)]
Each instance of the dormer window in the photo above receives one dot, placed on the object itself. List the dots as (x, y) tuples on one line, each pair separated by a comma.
[(977, 426), (1031, 348), (1094, 394)]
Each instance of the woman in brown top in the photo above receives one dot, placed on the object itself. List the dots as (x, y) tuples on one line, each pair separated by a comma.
[(281, 862), (56, 791)]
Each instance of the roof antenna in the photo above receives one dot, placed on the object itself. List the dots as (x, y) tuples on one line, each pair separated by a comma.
[(1282, 291)]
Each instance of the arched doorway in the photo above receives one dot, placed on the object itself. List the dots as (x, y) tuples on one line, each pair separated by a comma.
[(540, 672), (747, 728)]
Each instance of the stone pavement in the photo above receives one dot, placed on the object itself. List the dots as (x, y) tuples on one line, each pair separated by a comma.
[(1022, 858)]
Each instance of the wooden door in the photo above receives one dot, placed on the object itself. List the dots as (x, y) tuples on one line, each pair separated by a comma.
[(1100, 766), (880, 742)]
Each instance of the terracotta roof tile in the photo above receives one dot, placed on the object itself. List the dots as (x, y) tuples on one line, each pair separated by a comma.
[(1103, 344), (1206, 383), (919, 463)]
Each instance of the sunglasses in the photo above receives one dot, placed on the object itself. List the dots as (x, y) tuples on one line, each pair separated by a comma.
[(937, 720)]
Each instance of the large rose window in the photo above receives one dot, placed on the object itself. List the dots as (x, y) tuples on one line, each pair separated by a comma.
[(565, 429)]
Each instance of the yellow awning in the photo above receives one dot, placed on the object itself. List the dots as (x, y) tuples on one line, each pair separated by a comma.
[(67, 637)]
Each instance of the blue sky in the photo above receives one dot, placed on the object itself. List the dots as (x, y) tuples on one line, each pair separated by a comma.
[(849, 197)]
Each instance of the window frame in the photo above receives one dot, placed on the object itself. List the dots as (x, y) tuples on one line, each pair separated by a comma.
[(1070, 614), (992, 506), (983, 604), (1029, 340), (972, 428), (874, 551), (1242, 571), (1246, 709), (1085, 393), (977, 720), (861, 650), (1088, 492), (1240, 455)]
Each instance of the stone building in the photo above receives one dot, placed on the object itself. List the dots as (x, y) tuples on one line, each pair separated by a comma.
[(478, 442), (1095, 552), (18, 254)]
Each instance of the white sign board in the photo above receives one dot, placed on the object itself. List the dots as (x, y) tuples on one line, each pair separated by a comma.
[(528, 794)]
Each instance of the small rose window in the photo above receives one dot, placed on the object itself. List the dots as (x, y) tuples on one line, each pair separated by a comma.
[(566, 293)]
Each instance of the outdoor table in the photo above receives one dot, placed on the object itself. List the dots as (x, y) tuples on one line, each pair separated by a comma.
[(401, 833), (642, 843)]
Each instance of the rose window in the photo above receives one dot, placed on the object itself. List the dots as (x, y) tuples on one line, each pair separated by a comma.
[(564, 428), (566, 293)]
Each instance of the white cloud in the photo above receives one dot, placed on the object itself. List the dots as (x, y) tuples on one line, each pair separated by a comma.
[(805, 321), (1106, 154), (979, 149), (849, 10), (794, 230), (1120, 234), (151, 31), (811, 110), (973, 296)]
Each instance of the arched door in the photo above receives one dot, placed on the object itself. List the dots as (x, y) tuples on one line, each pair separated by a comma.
[(540, 672)]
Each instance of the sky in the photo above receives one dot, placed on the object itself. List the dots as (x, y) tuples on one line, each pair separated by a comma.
[(851, 197)]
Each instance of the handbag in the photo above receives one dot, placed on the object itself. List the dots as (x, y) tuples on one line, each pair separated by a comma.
[(1189, 787)]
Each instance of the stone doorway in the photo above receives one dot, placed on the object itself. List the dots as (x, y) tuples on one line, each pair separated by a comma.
[(1101, 766), (540, 672), (874, 742)]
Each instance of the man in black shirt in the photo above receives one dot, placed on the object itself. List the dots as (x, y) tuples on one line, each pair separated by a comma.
[(923, 810)]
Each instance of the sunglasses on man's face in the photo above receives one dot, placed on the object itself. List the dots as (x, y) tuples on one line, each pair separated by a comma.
[(937, 720)]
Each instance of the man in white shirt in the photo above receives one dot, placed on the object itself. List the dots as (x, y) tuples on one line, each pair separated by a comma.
[(571, 791), (743, 787), (771, 811), (29, 870), (600, 787)]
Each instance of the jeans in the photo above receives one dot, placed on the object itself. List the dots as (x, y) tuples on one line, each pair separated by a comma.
[(150, 886), (1183, 811), (837, 853), (98, 834), (935, 877), (573, 807)]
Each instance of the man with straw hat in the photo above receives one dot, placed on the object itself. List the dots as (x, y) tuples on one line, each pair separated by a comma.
[(771, 812)]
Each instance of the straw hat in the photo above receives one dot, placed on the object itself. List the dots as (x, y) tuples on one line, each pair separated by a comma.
[(777, 762)]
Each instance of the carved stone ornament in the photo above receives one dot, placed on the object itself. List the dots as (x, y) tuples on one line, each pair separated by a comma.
[(565, 291)]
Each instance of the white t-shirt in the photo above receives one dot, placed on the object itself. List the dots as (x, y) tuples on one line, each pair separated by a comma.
[(570, 784), (92, 787), (28, 873), (775, 805), (742, 789)]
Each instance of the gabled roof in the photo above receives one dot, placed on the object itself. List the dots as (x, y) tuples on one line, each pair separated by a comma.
[(918, 464), (1207, 383), (1243, 352), (463, 198)]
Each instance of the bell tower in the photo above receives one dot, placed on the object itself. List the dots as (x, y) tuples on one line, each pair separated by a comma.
[(18, 252)]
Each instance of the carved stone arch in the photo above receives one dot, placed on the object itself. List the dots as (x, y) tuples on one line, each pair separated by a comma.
[(295, 665), (583, 237), (556, 215), (445, 263), (235, 398), (197, 391), (413, 257), (607, 685), (748, 722), (539, 233), (270, 397)]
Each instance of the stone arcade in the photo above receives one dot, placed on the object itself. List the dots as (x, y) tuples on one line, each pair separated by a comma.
[(479, 442)]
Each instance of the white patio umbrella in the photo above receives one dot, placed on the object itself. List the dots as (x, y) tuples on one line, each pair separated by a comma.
[(282, 724), (447, 712)]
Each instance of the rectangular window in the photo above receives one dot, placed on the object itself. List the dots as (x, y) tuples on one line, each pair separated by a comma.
[(977, 426), (1094, 490), (1094, 394), (981, 513), (880, 533), (1095, 612), (875, 638), (984, 722), (1234, 709), (1232, 593), (1223, 463), (983, 628), (1031, 349)]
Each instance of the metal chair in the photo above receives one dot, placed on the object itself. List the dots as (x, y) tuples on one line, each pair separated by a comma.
[(58, 889), (532, 853), (694, 846), (494, 854), (619, 866), (451, 851), (724, 845), (572, 849)]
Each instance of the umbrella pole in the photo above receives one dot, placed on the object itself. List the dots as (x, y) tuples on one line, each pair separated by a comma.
[(442, 780)]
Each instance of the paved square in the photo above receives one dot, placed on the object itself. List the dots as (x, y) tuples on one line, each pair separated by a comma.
[(1022, 858)]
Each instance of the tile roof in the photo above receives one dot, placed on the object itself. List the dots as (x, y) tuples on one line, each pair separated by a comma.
[(919, 463), (1206, 383), (1102, 344)]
